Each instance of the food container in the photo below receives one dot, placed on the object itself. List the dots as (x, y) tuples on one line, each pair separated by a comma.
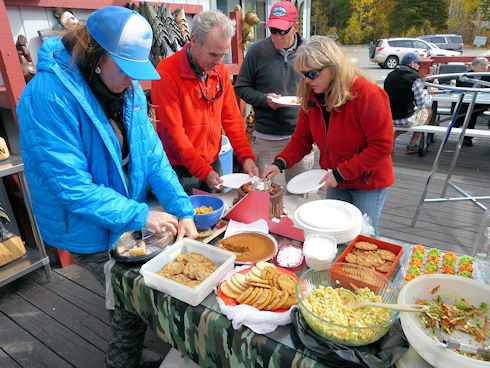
[(451, 287), (319, 250), (397, 249), (284, 257), (206, 221), (343, 334), (192, 296)]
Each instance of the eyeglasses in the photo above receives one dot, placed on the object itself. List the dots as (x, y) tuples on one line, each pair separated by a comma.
[(206, 96), (280, 31), (312, 74)]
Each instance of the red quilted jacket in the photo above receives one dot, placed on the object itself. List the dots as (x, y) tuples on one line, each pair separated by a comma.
[(359, 140)]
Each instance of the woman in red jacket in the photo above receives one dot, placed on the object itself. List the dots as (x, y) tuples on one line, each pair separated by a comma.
[(349, 119)]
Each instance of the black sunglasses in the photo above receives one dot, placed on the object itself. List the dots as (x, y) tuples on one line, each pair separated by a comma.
[(280, 31), (206, 96), (312, 74)]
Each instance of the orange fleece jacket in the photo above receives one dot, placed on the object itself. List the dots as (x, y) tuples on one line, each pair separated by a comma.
[(189, 125)]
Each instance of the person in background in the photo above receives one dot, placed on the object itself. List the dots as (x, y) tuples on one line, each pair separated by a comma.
[(194, 101), (409, 105), (349, 119), (267, 72), (478, 65), (90, 152)]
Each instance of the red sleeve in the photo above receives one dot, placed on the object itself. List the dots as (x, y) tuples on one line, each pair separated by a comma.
[(232, 122), (372, 110)]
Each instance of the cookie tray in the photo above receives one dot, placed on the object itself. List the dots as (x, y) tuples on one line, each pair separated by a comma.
[(397, 249), (193, 296)]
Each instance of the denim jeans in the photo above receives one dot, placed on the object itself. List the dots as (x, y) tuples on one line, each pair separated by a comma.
[(368, 201)]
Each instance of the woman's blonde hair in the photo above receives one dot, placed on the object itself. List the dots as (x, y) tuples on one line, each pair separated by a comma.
[(319, 52)]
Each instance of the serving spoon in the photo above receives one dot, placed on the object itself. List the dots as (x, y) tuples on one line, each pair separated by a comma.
[(350, 300)]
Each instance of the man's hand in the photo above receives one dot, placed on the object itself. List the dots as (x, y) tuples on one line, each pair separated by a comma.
[(213, 180), (328, 181), (270, 171), (159, 219), (250, 168), (186, 228), (271, 103)]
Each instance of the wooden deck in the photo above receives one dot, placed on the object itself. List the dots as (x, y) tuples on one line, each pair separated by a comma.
[(63, 323)]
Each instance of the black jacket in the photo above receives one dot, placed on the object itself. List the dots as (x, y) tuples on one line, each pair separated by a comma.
[(265, 70), (398, 85)]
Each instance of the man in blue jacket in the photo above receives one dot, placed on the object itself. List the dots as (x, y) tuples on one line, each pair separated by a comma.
[(90, 152)]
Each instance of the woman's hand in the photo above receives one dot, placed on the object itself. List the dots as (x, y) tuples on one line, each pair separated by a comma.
[(250, 168), (270, 171), (186, 228), (159, 219), (328, 181)]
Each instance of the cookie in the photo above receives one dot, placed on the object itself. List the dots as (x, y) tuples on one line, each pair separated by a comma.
[(262, 265), (274, 292), (254, 296), (174, 268), (281, 299), (351, 258), (292, 300), (245, 295), (193, 283), (190, 269), (365, 245), (387, 255), (239, 280), (287, 283), (259, 284), (385, 267), (202, 272)]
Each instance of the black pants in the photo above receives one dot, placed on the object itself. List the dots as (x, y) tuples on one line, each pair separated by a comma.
[(477, 110), (188, 181), (127, 329)]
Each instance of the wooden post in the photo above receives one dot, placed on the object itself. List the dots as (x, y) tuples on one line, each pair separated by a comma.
[(237, 57), (9, 63)]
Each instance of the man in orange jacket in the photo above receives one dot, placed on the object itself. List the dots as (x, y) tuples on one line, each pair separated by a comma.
[(194, 100)]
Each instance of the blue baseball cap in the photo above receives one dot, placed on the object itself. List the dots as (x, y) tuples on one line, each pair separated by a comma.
[(126, 36), (410, 58)]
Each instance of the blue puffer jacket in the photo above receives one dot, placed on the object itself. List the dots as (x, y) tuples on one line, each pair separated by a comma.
[(72, 159)]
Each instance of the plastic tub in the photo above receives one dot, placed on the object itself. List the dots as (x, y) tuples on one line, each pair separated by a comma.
[(319, 250), (226, 158), (192, 296)]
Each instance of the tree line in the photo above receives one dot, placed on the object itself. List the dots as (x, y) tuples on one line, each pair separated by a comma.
[(361, 21)]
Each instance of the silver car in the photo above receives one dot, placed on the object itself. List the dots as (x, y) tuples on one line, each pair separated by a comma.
[(390, 51)]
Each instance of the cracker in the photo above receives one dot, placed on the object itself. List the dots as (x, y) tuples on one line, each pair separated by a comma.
[(243, 296), (228, 290), (254, 296), (262, 298)]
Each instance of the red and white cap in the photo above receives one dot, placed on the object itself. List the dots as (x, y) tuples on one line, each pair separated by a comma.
[(283, 15)]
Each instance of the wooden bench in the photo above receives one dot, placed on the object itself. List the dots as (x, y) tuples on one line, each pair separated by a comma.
[(435, 129)]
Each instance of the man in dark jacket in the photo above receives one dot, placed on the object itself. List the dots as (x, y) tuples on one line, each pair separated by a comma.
[(267, 73), (409, 105)]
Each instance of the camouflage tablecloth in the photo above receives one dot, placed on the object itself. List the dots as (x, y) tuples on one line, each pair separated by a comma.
[(202, 333)]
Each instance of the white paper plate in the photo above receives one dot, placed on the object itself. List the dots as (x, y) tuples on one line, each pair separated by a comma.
[(287, 100), (235, 180), (306, 182), (329, 215)]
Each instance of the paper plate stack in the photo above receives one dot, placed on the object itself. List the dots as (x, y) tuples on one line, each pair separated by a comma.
[(339, 219)]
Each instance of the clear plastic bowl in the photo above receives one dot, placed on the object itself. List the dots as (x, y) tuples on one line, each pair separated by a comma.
[(333, 275)]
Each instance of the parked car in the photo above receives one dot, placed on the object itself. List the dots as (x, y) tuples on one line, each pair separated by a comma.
[(390, 51), (435, 50), (445, 41)]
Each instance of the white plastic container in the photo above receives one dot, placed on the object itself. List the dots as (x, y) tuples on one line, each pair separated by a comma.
[(192, 296), (319, 250)]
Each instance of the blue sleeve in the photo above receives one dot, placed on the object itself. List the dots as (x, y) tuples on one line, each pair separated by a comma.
[(51, 126), (164, 182)]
